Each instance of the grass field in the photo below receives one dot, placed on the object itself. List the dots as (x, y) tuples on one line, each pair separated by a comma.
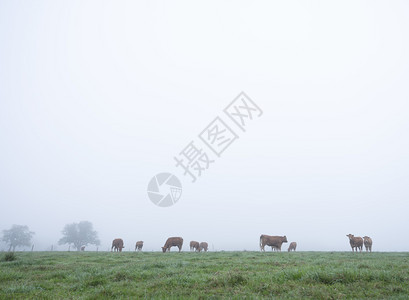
[(315, 275)]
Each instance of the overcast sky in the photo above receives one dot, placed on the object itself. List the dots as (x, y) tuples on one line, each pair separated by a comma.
[(97, 97)]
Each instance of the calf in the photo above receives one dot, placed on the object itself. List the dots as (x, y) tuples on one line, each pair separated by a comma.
[(139, 245), (293, 246), (194, 246), (203, 246), (368, 243)]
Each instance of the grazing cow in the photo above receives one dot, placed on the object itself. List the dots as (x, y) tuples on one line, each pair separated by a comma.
[(293, 246), (139, 245), (117, 245), (194, 246), (171, 242), (356, 242), (82, 248), (203, 246), (368, 243), (274, 241)]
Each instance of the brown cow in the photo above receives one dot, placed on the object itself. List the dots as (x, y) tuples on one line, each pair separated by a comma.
[(171, 242), (203, 246), (293, 246), (82, 248), (274, 241), (194, 246), (139, 245), (368, 243), (117, 245), (355, 242)]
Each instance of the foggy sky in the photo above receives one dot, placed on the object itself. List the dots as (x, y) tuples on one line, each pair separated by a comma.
[(96, 97)]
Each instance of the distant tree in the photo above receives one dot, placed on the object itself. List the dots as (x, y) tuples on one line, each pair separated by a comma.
[(79, 234), (17, 236)]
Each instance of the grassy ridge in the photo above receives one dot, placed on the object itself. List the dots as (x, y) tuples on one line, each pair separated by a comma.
[(314, 275)]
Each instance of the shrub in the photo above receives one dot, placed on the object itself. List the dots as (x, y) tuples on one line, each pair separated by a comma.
[(9, 256)]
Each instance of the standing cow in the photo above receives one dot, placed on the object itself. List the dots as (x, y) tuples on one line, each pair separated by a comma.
[(117, 245), (355, 242), (82, 248), (173, 242), (293, 246), (368, 243), (203, 246), (139, 245), (194, 246), (274, 241)]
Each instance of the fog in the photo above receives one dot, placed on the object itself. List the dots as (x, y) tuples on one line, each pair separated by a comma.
[(97, 97)]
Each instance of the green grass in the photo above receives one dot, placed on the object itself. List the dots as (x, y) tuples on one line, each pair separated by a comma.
[(315, 275)]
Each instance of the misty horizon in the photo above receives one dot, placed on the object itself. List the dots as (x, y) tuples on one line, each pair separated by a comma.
[(97, 98)]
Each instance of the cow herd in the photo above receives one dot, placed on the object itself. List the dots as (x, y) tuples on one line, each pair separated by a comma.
[(196, 246), (118, 245), (356, 243), (275, 242)]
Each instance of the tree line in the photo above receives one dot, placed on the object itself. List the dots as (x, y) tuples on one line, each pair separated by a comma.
[(74, 234)]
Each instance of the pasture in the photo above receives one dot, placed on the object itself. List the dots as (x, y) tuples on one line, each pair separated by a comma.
[(315, 275)]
